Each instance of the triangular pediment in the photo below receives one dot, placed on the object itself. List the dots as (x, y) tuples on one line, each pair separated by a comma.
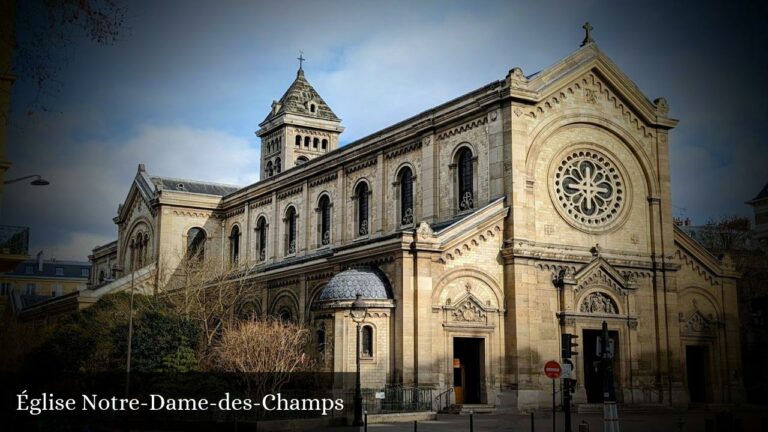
[(465, 234), (591, 74), (468, 310), (695, 257), (141, 188), (600, 272), (697, 323)]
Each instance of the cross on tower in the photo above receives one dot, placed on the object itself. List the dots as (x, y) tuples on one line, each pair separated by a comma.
[(588, 29), (301, 59)]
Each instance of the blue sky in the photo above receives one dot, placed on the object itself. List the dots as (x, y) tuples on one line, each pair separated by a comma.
[(185, 87)]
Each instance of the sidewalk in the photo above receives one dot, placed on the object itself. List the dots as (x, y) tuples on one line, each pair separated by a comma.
[(690, 421)]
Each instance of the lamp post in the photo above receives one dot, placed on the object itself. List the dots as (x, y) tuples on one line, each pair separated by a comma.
[(38, 180), (357, 311)]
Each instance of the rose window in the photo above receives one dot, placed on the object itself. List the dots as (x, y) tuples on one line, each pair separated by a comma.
[(589, 189)]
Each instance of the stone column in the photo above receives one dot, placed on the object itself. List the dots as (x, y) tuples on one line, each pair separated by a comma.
[(428, 180), (405, 315)]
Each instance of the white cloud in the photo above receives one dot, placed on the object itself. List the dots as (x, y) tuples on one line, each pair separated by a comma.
[(90, 178)]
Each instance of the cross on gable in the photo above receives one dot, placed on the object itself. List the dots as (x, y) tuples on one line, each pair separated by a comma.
[(588, 37)]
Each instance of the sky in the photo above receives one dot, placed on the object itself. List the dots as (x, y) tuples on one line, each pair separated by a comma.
[(184, 87)]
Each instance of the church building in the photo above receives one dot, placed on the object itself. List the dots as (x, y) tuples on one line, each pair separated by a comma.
[(477, 232)]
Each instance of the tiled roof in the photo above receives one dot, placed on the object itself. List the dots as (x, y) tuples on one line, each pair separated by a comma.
[(298, 98), (193, 186), (364, 280)]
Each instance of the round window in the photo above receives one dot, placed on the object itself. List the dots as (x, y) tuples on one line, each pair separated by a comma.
[(589, 189)]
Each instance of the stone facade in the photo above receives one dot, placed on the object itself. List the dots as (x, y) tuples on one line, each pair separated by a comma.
[(568, 224)]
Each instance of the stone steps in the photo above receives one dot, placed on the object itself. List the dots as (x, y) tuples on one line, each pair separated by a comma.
[(466, 409)]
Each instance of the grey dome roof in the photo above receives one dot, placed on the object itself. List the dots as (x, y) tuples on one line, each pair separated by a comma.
[(364, 280)]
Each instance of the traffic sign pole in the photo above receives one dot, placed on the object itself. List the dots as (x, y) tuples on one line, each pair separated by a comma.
[(553, 370)]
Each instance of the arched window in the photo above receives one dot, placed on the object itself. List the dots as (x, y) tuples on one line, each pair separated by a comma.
[(321, 338), (278, 166), (269, 171), (261, 239), (101, 276), (366, 342), (234, 245), (406, 196), (306, 141), (361, 192), (285, 315), (145, 249), (301, 160), (315, 142), (196, 243), (312, 108), (290, 228), (325, 220), (325, 144), (298, 140), (465, 196), (132, 247)]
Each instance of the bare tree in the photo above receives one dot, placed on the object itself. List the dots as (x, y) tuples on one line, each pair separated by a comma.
[(726, 234), (269, 346), (45, 29), (208, 293)]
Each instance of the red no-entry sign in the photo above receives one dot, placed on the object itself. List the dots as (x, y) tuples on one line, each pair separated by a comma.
[(552, 369)]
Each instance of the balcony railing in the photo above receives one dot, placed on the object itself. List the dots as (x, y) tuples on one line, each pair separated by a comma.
[(14, 240)]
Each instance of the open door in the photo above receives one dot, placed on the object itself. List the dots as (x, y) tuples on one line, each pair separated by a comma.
[(458, 381), (697, 373), (468, 370)]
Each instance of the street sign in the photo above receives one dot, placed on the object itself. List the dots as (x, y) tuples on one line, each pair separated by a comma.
[(599, 347), (380, 395), (567, 370), (552, 369)]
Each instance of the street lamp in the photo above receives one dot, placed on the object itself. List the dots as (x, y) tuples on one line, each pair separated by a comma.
[(38, 180), (357, 311)]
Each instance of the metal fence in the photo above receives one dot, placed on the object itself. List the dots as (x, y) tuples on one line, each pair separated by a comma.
[(14, 240), (392, 400)]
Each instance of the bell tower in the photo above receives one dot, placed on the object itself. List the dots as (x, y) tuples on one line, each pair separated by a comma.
[(300, 127)]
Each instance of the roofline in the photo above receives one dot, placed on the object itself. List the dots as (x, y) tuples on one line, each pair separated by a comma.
[(428, 114), (195, 181)]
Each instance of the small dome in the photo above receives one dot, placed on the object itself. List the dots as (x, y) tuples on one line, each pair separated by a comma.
[(367, 281)]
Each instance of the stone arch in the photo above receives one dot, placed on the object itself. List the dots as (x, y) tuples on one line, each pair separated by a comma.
[(248, 308), (314, 292), (586, 116), (467, 272), (462, 145), (693, 292), (361, 180), (285, 298), (397, 171), (136, 228), (261, 215)]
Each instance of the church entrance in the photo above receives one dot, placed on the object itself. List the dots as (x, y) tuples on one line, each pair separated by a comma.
[(697, 372), (593, 373), (468, 373)]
